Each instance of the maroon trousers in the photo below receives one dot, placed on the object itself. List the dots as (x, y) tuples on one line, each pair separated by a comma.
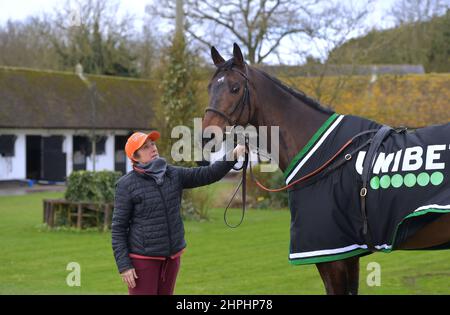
[(155, 277)]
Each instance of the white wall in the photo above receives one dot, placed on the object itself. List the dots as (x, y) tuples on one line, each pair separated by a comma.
[(129, 165), (14, 168), (68, 149), (103, 161)]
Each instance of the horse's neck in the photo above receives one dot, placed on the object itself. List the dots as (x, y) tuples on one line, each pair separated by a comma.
[(297, 121)]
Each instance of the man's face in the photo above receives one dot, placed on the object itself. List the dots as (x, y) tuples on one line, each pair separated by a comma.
[(147, 153)]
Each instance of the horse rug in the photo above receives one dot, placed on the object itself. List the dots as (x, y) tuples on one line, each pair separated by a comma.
[(409, 187)]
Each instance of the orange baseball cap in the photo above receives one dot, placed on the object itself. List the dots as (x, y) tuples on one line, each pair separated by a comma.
[(137, 139)]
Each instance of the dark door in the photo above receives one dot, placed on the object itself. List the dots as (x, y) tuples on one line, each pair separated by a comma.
[(120, 158), (81, 149), (34, 155), (53, 159)]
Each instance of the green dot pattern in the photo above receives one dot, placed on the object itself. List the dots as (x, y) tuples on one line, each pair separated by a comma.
[(385, 181), (397, 180), (437, 178), (375, 182), (409, 180), (423, 179)]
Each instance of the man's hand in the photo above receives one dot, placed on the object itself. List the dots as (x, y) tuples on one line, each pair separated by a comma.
[(128, 277), (238, 151)]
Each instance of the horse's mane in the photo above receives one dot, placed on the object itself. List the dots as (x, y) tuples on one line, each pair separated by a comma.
[(297, 93)]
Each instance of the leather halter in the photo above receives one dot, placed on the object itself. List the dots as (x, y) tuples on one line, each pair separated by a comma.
[(245, 99)]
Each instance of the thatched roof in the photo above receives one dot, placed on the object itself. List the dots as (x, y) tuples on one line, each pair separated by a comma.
[(49, 99)]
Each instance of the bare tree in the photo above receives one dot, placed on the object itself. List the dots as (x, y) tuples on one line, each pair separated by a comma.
[(147, 50), (338, 23), (81, 31), (411, 11), (259, 26), (413, 16), (89, 32), (22, 44), (267, 28)]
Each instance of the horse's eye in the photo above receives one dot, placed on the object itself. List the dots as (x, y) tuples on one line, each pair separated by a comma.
[(235, 89)]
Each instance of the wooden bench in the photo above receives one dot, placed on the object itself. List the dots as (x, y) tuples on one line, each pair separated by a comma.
[(79, 210)]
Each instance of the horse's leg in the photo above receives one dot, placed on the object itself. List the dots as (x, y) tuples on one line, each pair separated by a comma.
[(341, 276), (353, 275), (432, 234), (334, 276)]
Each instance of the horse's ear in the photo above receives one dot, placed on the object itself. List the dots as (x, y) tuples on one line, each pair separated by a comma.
[(216, 57), (237, 54)]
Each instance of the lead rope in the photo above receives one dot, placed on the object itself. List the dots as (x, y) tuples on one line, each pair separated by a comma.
[(347, 157), (242, 183)]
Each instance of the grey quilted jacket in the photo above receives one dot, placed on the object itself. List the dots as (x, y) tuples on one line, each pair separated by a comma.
[(147, 219)]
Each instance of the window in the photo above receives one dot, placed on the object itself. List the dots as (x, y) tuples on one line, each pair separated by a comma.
[(100, 145), (7, 145), (84, 145)]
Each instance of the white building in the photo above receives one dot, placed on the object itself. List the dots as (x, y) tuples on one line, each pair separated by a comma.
[(47, 121)]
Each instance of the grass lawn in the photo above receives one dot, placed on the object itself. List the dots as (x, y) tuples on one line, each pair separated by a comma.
[(251, 259)]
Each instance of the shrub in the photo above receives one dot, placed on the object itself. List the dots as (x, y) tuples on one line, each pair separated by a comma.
[(195, 204), (90, 186), (258, 198)]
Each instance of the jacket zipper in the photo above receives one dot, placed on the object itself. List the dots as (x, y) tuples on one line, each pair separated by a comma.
[(167, 219)]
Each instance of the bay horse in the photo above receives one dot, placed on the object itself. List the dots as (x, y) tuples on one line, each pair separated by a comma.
[(243, 95)]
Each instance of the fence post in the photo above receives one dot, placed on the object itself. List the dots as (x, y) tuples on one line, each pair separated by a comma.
[(107, 220), (51, 214), (44, 202), (79, 216)]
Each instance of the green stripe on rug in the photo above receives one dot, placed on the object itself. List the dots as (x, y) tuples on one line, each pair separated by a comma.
[(327, 258), (309, 145)]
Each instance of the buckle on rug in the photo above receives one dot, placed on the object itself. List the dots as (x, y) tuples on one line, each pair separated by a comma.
[(363, 192)]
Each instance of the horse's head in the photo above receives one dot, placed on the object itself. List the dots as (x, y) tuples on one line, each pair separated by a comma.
[(229, 94)]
